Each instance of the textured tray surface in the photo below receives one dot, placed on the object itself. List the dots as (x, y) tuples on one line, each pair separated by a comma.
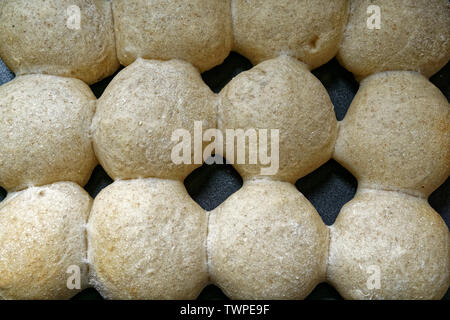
[(328, 188)]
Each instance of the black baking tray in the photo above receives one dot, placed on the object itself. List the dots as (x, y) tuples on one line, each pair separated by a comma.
[(327, 188)]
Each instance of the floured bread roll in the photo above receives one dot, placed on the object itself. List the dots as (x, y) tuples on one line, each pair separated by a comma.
[(43, 243), (389, 245), (310, 31), (197, 31), (44, 131), (267, 242), (396, 135), (140, 110), (280, 94), (72, 38), (413, 35), (147, 241)]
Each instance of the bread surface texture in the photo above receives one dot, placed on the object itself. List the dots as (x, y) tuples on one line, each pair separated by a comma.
[(45, 131), (412, 35), (396, 134), (389, 245), (197, 31), (43, 242), (147, 241), (279, 94), (310, 31), (71, 38), (267, 242), (139, 112)]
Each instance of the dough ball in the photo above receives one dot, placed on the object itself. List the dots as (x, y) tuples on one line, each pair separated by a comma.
[(147, 241), (396, 134), (413, 35), (43, 242), (267, 242), (44, 131), (279, 94), (197, 31), (310, 31), (43, 36), (389, 245), (139, 113)]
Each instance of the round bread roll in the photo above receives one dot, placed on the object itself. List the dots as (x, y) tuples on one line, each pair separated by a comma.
[(267, 242), (147, 241), (43, 242), (412, 35), (197, 31), (140, 111), (395, 135), (389, 245), (72, 38), (44, 131), (310, 31), (279, 94)]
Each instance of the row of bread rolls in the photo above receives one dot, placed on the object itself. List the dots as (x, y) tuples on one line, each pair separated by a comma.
[(148, 239), (395, 139), (38, 36), (148, 100), (54, 128), (267, 241), (395, 135)]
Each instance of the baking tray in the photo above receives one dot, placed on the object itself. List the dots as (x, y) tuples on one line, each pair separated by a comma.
[(327, 188)]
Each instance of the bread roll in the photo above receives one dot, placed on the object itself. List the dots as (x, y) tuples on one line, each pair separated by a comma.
[(413, 35), (310, 31), (44, 131), (267, 242), (147, 241), (43, 243), (197, 31), (396, 135), (389, 245), (46, 36), (280, 94), (141, 109)]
